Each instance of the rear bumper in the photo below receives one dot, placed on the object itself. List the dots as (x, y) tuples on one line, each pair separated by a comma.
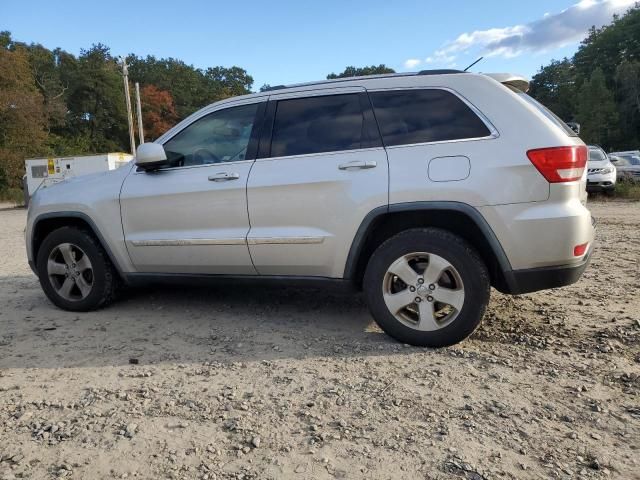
[(544, 278)]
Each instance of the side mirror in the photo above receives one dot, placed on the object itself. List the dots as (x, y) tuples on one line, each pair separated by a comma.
[(575, 127), (151, 156)]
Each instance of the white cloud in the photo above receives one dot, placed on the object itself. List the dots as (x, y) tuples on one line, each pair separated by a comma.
[(412, 62), (550, 32)]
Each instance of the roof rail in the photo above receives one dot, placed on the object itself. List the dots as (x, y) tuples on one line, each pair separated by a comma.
[(443, 71), (275, 87)]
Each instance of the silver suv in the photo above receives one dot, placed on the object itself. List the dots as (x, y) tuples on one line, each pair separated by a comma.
[(424, 190)]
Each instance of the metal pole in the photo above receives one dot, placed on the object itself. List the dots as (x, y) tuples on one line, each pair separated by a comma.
[(125, 75), (139, 108)]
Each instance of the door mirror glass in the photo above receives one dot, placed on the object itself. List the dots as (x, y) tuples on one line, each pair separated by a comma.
[(151, 156)]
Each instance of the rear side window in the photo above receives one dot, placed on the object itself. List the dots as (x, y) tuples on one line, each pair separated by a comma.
[(317, 124), (420, 116)]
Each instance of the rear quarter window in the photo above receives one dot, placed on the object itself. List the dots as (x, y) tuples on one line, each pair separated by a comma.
[(422, 116), (546, 112)]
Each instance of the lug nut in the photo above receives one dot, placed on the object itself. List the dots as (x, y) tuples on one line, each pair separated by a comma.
[(430, 299), (421, 280), (432, 287), (413, 289), (418, 299)]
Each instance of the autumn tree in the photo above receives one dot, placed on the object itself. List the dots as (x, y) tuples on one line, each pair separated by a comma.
[(23, 118), (158, 111)]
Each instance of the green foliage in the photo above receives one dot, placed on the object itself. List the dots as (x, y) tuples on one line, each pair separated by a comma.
[(600, 86), (12, 195), (361, 71), (596, 111), (628, 189)]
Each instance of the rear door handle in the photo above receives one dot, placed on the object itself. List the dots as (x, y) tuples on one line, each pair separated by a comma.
[(358, 165), (223, 177)]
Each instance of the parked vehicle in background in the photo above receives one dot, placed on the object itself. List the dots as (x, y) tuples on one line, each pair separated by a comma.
[(627, 165), (421, 189), (601, 173)]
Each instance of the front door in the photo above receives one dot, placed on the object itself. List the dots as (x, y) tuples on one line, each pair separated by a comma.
[(191, 217)]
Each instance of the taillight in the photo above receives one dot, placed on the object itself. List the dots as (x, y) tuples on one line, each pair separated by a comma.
[(560, 164)]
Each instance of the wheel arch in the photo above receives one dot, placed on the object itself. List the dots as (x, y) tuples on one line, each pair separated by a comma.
[(458, 218), (46, 223)]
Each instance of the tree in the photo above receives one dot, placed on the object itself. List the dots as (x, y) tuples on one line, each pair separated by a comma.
[(23, 118), (555, 87), (95, 102), (628, 88), (361, 71), (597, 112), (158, 111)]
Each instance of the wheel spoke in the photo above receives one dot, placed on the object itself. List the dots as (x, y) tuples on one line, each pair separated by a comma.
[(455, 298), (83, 285), (67, 254), (397, 301), (65, 289), (427, 321), (56, 268), (434, 269), (83, 264), (403, 270)]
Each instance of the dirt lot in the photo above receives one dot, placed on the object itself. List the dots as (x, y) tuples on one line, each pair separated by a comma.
[(262, 382)]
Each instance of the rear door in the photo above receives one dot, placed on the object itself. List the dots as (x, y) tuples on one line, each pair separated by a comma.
[(320, 169)]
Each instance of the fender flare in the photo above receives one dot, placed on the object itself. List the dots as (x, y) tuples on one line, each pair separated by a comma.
[(369, 220), (79, 215)]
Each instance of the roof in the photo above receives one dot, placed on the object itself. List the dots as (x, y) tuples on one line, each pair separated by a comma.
[(367, 77)]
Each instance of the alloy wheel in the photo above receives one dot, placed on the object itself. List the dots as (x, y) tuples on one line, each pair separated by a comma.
[(423, 291), (70, 272)]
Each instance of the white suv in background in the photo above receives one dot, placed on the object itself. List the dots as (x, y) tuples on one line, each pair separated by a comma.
[(424, 190), (601, 173)]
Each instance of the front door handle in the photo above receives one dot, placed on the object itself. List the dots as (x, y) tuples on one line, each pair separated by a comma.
[(223, 177), (358, 165)]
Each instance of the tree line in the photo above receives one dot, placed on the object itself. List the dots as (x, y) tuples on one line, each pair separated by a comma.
[(599, 87), (55, 103)]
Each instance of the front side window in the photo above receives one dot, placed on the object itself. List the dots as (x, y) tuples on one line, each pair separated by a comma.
[(221, 136), (317, 124), (420, 116)]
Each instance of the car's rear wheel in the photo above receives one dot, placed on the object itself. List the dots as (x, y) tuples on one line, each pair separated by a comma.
[(75, 271), (427, 287)]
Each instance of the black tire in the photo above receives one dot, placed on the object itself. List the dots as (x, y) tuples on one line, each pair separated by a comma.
[(104, 277), (459, 254)]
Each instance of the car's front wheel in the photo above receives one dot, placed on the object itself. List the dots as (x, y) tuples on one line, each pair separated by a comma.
[(427, 287), (75, 271)]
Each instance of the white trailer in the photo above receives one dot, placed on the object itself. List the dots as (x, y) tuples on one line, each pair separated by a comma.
[(44, 171)]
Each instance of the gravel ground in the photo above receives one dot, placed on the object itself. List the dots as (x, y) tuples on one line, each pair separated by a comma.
[(258, 382)]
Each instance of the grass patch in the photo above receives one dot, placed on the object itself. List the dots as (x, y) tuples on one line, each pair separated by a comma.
[(12, 195), (627, 189)]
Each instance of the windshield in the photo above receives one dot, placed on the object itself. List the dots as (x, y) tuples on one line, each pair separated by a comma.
[(596, 155), (546, 112)]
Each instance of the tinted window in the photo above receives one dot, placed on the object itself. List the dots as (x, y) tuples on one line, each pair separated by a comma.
[(222, 136), (419, 116), (546, 112), (317, 124)]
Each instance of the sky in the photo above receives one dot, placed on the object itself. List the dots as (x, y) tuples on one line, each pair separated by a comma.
[(283, 42)]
